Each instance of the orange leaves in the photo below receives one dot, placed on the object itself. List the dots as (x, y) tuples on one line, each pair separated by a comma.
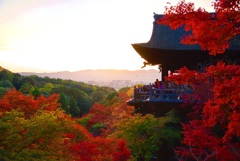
[(83, 133), (98, 114), (100, 149), (14, 99), (41, 128), (122, 153), (5, 105), (48, 103)]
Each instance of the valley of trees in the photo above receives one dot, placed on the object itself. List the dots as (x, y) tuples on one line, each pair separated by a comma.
[(76, 98), (54, 119)]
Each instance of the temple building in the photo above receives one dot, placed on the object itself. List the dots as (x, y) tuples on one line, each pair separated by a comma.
[(165, 50)]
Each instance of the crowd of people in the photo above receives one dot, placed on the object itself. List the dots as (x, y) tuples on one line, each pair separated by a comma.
[(160, 89), (161, 85), (157, 84)]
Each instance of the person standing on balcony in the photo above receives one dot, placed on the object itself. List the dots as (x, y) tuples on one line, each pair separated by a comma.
[(156, 83)]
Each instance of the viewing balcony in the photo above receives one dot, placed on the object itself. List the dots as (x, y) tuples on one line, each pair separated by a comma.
[(148, 93)]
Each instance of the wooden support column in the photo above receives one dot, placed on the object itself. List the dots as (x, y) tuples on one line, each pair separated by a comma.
[(164, 71)]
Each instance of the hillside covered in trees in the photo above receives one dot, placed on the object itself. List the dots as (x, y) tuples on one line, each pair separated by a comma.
[(76, 98), (54, 119)]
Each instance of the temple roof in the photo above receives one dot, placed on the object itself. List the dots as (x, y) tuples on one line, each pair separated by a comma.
[(164, 48), (165, 38)]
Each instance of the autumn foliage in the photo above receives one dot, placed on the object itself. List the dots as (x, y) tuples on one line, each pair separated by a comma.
[(213, 131), (101, 149), (36, 129), (14, 99), (212, 31), (106, 116)]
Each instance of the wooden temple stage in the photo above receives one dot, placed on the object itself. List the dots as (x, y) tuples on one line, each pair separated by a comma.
[(158, 101), (165, 50)]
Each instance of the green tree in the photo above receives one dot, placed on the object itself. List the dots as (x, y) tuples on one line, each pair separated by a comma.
[(6, 84), (17, 80), (64, 102), (28, 79), (47, 89), (6, 75), (98, 96), (36, 92), (85, 104), (3, 91), (73, 107), (145, 135), (83, 100), (112, 95), (26, 88)]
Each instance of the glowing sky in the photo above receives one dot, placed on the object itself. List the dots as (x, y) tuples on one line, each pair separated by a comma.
[(71, 35)]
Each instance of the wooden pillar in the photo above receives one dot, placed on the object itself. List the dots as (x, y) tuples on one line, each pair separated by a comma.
[(164, 71)]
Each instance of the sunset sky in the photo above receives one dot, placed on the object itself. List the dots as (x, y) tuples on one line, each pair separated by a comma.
[(72, 35)]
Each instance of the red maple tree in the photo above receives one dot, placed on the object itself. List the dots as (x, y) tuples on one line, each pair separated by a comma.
[(212, 31), (213, 131), (100, 149), (214, 128), (14, 99)]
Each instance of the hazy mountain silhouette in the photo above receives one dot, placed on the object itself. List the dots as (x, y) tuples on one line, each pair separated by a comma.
[(103, 75)]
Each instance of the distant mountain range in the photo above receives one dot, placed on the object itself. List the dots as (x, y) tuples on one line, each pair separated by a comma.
[(103, 75)]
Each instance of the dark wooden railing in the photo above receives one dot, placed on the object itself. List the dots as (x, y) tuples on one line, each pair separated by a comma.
[(150, 94)]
